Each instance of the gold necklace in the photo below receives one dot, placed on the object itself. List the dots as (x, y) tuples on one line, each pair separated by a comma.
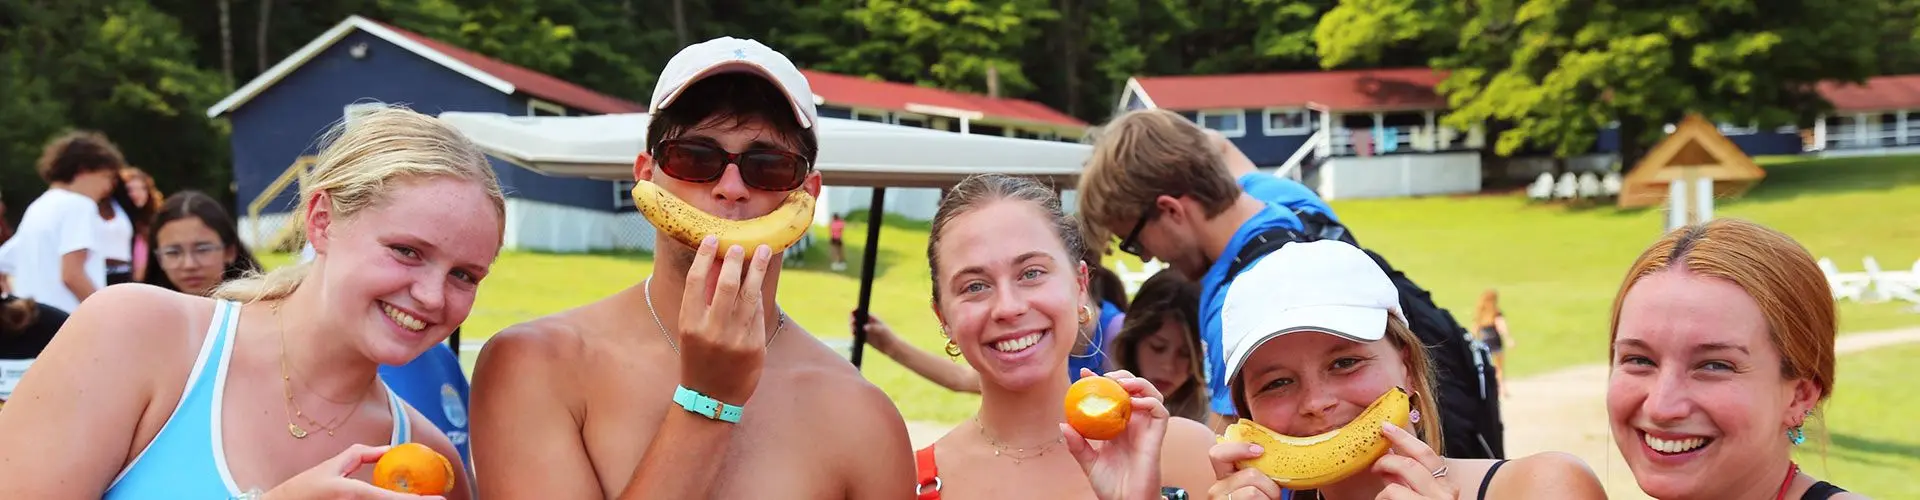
[(293, 407), (1018, 454)]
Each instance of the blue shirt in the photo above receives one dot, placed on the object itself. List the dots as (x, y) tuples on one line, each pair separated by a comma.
[(435, 385), (1213, 293), (1285, 192), (1103, 332)]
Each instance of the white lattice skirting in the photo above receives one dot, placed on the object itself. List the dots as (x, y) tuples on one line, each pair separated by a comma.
[(531, 225)]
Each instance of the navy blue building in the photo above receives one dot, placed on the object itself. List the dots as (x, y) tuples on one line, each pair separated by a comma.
[(280, 116)]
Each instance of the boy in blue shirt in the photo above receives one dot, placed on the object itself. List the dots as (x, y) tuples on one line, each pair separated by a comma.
[(1169, 195)]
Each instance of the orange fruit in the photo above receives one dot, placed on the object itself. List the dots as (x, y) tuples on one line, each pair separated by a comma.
[(1098, 408), (414, 468)]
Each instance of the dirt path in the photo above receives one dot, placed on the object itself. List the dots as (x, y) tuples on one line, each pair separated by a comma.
[(1563, 410)]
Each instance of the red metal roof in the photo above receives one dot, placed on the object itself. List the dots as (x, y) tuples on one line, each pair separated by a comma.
[(1879, 93), (849, 90), (529, 81), (1343, 90)]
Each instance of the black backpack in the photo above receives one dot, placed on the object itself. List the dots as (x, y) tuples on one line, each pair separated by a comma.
[(1467, 391)]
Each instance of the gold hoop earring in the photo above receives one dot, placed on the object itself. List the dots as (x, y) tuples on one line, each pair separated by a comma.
[(1086, 314), (953, 350)]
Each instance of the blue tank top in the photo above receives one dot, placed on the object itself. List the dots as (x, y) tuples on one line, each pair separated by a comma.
[(186, 459)]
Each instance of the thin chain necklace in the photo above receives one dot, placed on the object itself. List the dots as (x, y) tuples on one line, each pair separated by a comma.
[(293, 407), (1018, 454), (648, 289)]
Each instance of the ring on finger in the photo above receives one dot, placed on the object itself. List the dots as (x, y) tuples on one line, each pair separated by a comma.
[(1440, 472)]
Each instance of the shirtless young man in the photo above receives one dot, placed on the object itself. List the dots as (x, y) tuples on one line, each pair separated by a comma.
[(581, 404)]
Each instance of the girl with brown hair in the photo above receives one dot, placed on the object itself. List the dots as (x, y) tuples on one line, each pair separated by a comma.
[(1722, 352), (1490, 328)]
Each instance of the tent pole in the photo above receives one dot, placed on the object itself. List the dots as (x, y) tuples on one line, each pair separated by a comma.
[(876, 214)]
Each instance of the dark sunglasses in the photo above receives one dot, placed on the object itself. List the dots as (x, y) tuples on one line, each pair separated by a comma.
[(763, 169), (1131, 243)]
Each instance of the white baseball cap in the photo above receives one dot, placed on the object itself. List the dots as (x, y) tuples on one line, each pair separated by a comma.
[(1323, 286), (729, 54)]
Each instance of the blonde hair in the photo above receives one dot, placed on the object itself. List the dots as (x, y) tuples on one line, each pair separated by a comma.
[(1144, 154), (1419, 367), (1773, 269), (358, 166)]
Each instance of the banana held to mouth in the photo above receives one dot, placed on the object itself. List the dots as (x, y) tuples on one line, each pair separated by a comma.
[(688, 225), (1310, 462)]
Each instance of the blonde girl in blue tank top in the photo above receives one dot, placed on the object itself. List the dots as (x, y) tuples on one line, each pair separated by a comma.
[(270, 388)]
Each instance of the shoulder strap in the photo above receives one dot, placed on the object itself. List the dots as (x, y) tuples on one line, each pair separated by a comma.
[(1487, 480), (928, 485), (1261, 244), (1821, 491)]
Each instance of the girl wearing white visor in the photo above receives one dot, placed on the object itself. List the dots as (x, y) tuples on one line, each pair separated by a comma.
[(1314, 337)]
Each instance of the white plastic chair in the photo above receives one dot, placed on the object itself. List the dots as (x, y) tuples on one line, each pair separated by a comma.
[(1890, 284), (1611, 184), (1849, 286), (1567, 188), (1589, 185), (1542, 187)]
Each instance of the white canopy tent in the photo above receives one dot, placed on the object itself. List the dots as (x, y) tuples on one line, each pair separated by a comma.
[(852, 153)]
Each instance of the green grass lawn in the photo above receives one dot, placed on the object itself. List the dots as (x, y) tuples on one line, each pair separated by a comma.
[(1861, 450), (1557, 268)]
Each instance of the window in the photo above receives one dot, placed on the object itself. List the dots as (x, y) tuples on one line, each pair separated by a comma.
[(1289, 122), (1230, 122), (910, 121), (870, 116), (536, 107), (622, 194), (354, 111)]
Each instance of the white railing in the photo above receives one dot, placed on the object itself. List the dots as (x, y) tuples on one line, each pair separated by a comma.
[(1870, 136), (1315, 143)]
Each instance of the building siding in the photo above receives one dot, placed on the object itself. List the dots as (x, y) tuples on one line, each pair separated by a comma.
[(288, 119)]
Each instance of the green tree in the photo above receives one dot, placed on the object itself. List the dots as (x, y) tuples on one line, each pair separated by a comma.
[(1556, 72), (118, 66)]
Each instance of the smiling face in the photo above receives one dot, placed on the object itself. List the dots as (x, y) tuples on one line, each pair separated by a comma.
[(405, 270), (1306, 383), (1164, 357), (1009, 293), (1696, 398)]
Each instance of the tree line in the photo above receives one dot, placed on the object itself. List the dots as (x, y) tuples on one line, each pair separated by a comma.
[(1550, 73)]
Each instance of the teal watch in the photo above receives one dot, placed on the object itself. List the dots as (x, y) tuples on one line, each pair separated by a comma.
[(705, 406)]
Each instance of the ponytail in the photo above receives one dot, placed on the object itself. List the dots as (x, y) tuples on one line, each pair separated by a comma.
[(256, 286)]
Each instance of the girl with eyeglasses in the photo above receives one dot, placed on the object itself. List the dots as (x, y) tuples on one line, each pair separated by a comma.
[(195, 246)]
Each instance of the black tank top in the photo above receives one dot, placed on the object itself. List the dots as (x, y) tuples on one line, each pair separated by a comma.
[(1822, 491)]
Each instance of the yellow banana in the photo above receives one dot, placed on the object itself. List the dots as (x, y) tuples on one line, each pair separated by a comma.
[(1304, 463), (674, 217)]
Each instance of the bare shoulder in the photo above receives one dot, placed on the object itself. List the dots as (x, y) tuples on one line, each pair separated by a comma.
[(1188, 432), (841, 399), (1551, 474), (545, 343), (1183, 455), (134, 318), (868, 435)]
